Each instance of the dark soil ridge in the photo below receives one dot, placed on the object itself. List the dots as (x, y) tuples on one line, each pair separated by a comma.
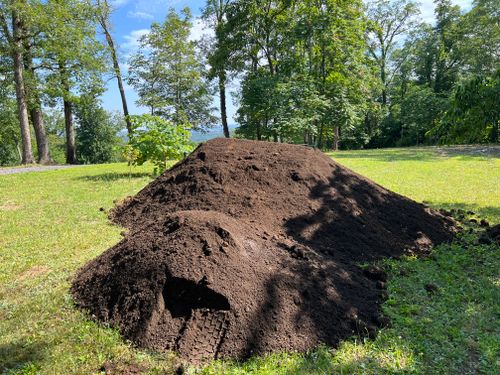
[(251, 247)]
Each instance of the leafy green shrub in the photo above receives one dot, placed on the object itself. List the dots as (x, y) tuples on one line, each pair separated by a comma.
[(157, 140)]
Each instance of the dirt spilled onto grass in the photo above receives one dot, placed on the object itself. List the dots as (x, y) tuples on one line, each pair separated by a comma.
[(251, 247)]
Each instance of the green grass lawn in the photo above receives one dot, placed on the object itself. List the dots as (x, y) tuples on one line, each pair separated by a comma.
[(50, 225)]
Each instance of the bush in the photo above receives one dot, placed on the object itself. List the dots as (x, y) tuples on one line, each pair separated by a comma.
[(158, 141)]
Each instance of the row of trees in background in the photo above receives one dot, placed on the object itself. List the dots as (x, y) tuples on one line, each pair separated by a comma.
[(338, 73), (330, 73), (52, 57)]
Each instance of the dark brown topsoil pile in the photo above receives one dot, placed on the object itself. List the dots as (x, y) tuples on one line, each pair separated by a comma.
[(249, 247)]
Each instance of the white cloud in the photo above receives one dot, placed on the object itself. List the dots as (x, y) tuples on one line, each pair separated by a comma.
[(131, 43), (119, 3), (140, 15), (427, 8), (131, 40)]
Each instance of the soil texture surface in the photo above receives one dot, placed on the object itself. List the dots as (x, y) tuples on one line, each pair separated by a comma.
[(247, 248)]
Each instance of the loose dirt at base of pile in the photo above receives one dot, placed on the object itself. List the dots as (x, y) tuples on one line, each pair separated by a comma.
[(252, 247)]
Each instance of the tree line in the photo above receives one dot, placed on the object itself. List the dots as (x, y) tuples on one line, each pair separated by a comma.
[(344, 74), (54, 56), (329, 73)]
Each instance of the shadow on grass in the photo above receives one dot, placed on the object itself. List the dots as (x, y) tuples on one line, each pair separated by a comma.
[(21, 355), (488, 212), (115, 176)]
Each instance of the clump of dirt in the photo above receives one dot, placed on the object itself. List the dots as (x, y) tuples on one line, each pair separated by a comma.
[(490, 236), (251, 247)]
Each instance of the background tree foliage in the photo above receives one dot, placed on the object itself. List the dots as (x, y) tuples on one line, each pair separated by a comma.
[(327, 73), (97, 137), (169, 75)]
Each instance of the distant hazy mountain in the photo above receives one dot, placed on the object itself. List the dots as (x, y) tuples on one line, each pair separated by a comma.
[(215, 132)]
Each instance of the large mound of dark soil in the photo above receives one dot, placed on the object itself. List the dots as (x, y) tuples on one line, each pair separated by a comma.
[(250, 247)]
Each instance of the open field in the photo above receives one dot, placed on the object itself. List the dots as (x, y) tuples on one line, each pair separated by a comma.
[(50, 225)]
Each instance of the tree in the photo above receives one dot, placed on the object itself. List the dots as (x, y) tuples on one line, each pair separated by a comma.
[(157, 140), (257, 106), (97, 136), (474, 112), (103, 16), (481, 38), (73, 59), (35, 108), (215, 13), (420, 110), (448, 35), (315, 48), (56, 132), (30, 35), (169, 74), (10, 137), (13, 33), (33, 46), (390, 21)]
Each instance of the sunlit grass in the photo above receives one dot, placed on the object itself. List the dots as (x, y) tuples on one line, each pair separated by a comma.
[(464, 181), (51, 224)]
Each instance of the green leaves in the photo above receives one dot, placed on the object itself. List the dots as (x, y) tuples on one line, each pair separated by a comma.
[(474, 111), (71, 56), (304, 73), (157, 140), (97, 133), (169, 75)]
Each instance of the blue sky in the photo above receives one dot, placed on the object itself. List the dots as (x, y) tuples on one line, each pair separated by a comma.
[(132, 18)]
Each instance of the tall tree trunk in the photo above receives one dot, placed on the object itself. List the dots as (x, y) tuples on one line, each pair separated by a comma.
[(103, 18), (70, 133), (118, 74), (336, 138), (22, 105), (222, 97), (41, 135), (68, 118), (36, 112), (383, 78)]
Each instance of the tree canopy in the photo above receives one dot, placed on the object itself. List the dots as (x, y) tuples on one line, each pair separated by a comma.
[(329, 73)]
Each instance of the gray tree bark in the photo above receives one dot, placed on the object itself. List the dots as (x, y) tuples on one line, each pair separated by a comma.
[(22, 105), (35, 111), (68, 117), (104, 21)]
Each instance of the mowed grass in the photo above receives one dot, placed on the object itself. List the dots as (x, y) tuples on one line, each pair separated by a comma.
[(50, 225)]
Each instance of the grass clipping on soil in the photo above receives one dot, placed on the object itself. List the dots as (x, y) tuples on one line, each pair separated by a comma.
[(251, 247)]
